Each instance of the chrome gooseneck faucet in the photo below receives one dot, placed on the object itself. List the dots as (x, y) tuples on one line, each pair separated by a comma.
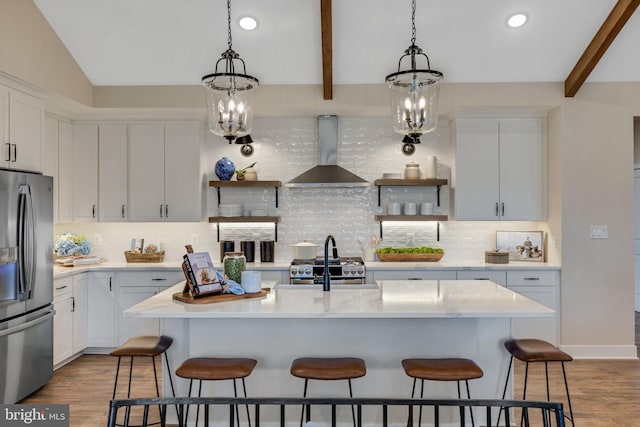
[(326, 283)]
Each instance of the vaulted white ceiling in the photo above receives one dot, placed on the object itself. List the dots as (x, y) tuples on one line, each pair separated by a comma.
[(176, 42)]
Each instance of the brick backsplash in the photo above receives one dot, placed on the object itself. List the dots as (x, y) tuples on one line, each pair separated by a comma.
[(284, 148)]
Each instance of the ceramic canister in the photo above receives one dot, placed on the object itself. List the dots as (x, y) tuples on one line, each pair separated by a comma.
[(248, 247), (226, 246), (267, 250)]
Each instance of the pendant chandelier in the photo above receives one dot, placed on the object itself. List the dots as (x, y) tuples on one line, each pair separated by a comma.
[(414, 94), (230, 94)]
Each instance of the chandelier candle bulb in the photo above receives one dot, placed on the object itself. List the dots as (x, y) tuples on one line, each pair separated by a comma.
[(431, 167)]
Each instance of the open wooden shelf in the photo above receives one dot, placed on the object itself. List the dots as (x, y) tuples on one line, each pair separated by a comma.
[(236, 219), (411, 218), (245, 184), (433, 182)]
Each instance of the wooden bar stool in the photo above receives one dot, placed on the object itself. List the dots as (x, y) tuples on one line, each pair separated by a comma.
[(445, 369), (144, 346), (327, 369), (216, 369), (530, 350)]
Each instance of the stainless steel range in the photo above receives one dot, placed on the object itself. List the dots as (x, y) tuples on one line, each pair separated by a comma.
[(341, 270)]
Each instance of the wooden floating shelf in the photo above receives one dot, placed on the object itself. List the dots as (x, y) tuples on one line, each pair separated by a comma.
[(411, 182), (244, 219), (245, 183), (411, 218)]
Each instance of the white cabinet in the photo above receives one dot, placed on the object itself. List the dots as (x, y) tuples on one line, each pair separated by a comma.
[(414, 274), (500, 169), (101, 306), (21, 129), (165, 179), (63, 319), (58, 163), (543, 287), (496, 276), (112, 170), (70, 320), (135, 287), (85, 172)]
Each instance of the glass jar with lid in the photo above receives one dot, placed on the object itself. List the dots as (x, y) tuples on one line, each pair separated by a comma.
[(234, 264), (412, 171)]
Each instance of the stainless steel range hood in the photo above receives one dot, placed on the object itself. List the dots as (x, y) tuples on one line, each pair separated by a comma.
[(327, 173)]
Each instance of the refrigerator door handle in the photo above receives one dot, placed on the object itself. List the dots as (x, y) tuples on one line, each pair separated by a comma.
[(27, 325), (26, 242)]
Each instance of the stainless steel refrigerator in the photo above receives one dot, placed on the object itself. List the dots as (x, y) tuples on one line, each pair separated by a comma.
[(26, 283)]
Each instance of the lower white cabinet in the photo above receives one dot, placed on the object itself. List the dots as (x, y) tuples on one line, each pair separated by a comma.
[(497, 276), (408, 274), (70, 320), (101, 303), (135, 287), (541, 286)]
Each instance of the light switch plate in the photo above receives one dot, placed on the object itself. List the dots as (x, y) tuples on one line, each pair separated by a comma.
[(598, 232)]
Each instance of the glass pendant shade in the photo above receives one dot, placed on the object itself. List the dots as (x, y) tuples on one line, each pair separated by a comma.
[(414, 101), (230, 101)]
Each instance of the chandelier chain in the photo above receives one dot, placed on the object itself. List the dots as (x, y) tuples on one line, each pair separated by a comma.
[(229, 24), (413, 22)]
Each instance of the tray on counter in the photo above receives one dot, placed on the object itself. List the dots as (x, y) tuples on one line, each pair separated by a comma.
[(410, 257), (209, 299)]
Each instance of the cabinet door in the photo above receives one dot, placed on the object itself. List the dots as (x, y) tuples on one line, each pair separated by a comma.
[(521, 170), (85, 173), (477, 169), (146, 172), (101, 309), (26, 129), (128, 327), (80, 314), (499, 277), (182, 175), (544, 328), (65, 172), (4, 126), (62, 328), (112, 156)]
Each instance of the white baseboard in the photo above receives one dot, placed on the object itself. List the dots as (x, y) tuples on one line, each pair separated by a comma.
[(601, 351)]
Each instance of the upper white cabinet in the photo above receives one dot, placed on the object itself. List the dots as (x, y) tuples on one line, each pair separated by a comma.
[(500, 169), (165, 181), (112, 172), (21, 129), (57, 163), (85, 172)]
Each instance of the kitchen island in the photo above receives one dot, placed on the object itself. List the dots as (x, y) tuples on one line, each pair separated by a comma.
[(382, 324)]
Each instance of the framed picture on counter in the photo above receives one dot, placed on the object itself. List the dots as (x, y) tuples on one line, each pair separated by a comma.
[(521, 245)]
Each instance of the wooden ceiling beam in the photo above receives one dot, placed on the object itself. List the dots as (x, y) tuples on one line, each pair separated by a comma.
[(327, 48), (607, 33)]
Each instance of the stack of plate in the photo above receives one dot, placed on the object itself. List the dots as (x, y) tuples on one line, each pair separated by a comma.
[(230, 209)]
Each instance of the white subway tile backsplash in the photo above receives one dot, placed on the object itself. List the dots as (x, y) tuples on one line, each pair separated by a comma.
[(284, 148)]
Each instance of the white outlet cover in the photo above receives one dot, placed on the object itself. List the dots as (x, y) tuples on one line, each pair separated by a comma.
[(598, 232)]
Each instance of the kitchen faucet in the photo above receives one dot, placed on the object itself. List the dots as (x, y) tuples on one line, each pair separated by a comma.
[(326, 283)]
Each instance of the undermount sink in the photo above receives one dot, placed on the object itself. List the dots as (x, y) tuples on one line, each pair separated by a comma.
[(334, 286)]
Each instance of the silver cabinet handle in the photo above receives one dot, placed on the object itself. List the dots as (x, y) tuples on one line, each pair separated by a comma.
[(61, 287), (531, 278), (502, 209), (497, 213), (123, 211)]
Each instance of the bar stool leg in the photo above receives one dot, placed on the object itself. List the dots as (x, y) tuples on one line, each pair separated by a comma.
[(566, 387), (353, 411), (198, 407), (130, 374), (473, 423), (244, 387), (115, 385), (504, 392), (304, 394), (235, 394)]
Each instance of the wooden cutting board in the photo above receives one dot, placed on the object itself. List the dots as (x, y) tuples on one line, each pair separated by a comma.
[(210, 299)]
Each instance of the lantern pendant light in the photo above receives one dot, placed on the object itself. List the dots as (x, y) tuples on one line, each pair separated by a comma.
[(414, 94), (230, 94)]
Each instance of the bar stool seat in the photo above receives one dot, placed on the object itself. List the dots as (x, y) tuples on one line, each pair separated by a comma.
[(441, 369), (532, 350), (143, 346), (217, 369), (327, 369)]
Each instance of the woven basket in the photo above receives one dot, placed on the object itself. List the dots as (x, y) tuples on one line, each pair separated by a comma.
[(134, 257), (410, 257)]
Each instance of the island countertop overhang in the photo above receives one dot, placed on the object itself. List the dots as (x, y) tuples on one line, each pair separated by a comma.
[(401, 299)]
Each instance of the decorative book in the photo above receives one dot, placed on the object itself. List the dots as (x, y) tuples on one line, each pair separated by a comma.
[(201, 274)]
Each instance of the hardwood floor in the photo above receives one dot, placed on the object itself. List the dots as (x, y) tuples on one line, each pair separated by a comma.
[(604, 393)]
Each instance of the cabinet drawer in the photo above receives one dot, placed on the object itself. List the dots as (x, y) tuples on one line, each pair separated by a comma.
[(414, 275), (62, 286), (150, 278), (499, 277), (532, 277)]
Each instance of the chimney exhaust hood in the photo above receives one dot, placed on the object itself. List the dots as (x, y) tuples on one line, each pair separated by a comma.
[(327, 173)]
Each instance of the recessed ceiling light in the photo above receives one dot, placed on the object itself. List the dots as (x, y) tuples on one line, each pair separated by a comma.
[(248, 23), (517, 20)]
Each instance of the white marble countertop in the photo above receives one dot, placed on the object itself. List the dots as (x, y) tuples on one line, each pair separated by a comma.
[(59, 271), (391, 299)]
